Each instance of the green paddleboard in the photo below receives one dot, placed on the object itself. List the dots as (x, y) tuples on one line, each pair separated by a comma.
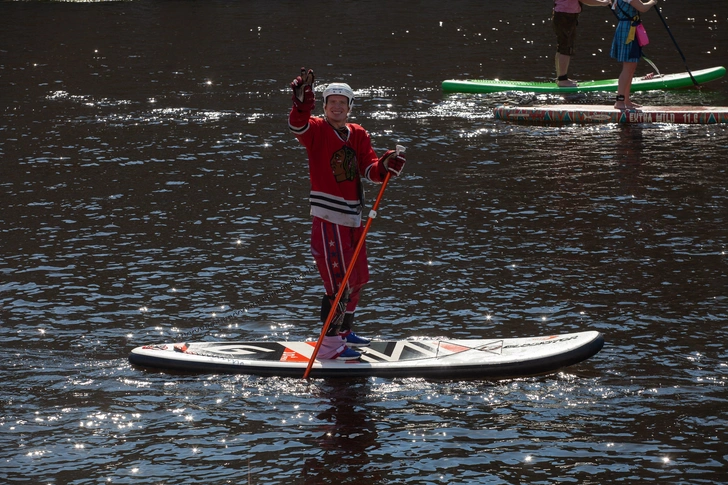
[(664, 81)]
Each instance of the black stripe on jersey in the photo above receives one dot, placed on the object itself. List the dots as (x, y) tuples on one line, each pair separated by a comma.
[(334, 204)]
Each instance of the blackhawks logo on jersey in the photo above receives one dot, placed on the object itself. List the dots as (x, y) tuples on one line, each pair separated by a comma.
[(343, 164)]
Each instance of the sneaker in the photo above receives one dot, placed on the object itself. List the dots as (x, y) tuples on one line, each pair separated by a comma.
[(348, 354), (331, 347), (353, 339)]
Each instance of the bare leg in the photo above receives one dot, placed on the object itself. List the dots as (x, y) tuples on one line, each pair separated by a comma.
[(624, 86), (562, 64), (562, 69)]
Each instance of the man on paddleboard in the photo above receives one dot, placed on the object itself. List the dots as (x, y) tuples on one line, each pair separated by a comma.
[(564, 20), (340, 155)]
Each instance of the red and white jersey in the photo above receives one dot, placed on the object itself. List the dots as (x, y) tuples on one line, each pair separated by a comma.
[(337, 163)]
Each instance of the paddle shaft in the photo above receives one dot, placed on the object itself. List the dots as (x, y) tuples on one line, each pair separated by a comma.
[(657, 9), (349, 270)]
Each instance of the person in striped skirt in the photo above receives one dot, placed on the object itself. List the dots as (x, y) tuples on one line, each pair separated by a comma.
[(625, 47)]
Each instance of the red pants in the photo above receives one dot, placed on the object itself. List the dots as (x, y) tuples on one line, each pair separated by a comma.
[(332, 247)]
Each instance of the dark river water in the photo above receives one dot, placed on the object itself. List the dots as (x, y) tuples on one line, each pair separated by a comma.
[(149, 186)]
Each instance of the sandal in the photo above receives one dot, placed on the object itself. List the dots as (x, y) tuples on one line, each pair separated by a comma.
[(565, 82)]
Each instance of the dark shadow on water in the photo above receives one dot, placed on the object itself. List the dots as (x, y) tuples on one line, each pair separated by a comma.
[(346, 436)]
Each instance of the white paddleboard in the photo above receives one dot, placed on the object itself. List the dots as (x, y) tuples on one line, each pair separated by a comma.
[(438, 358)]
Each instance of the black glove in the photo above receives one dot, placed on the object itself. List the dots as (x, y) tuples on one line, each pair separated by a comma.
[(302, 86)]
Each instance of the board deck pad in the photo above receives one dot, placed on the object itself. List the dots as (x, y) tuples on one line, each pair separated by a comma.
[(645, 83), (578, 113), (440, 358)]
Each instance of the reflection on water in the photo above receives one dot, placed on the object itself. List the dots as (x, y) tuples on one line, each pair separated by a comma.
[(348, 436), (151, 191)]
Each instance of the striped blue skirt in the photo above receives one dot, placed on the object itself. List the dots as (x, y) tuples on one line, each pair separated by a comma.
[(625, 52)]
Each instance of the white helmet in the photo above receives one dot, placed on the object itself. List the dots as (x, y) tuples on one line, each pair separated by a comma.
[(340, 89)]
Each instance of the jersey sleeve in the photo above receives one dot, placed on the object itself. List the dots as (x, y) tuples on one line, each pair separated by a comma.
[(298, 121)]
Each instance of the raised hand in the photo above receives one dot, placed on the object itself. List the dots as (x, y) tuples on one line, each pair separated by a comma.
[(302, 86)]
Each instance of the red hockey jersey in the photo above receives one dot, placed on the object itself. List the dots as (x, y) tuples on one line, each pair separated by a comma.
[(337, 164)]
